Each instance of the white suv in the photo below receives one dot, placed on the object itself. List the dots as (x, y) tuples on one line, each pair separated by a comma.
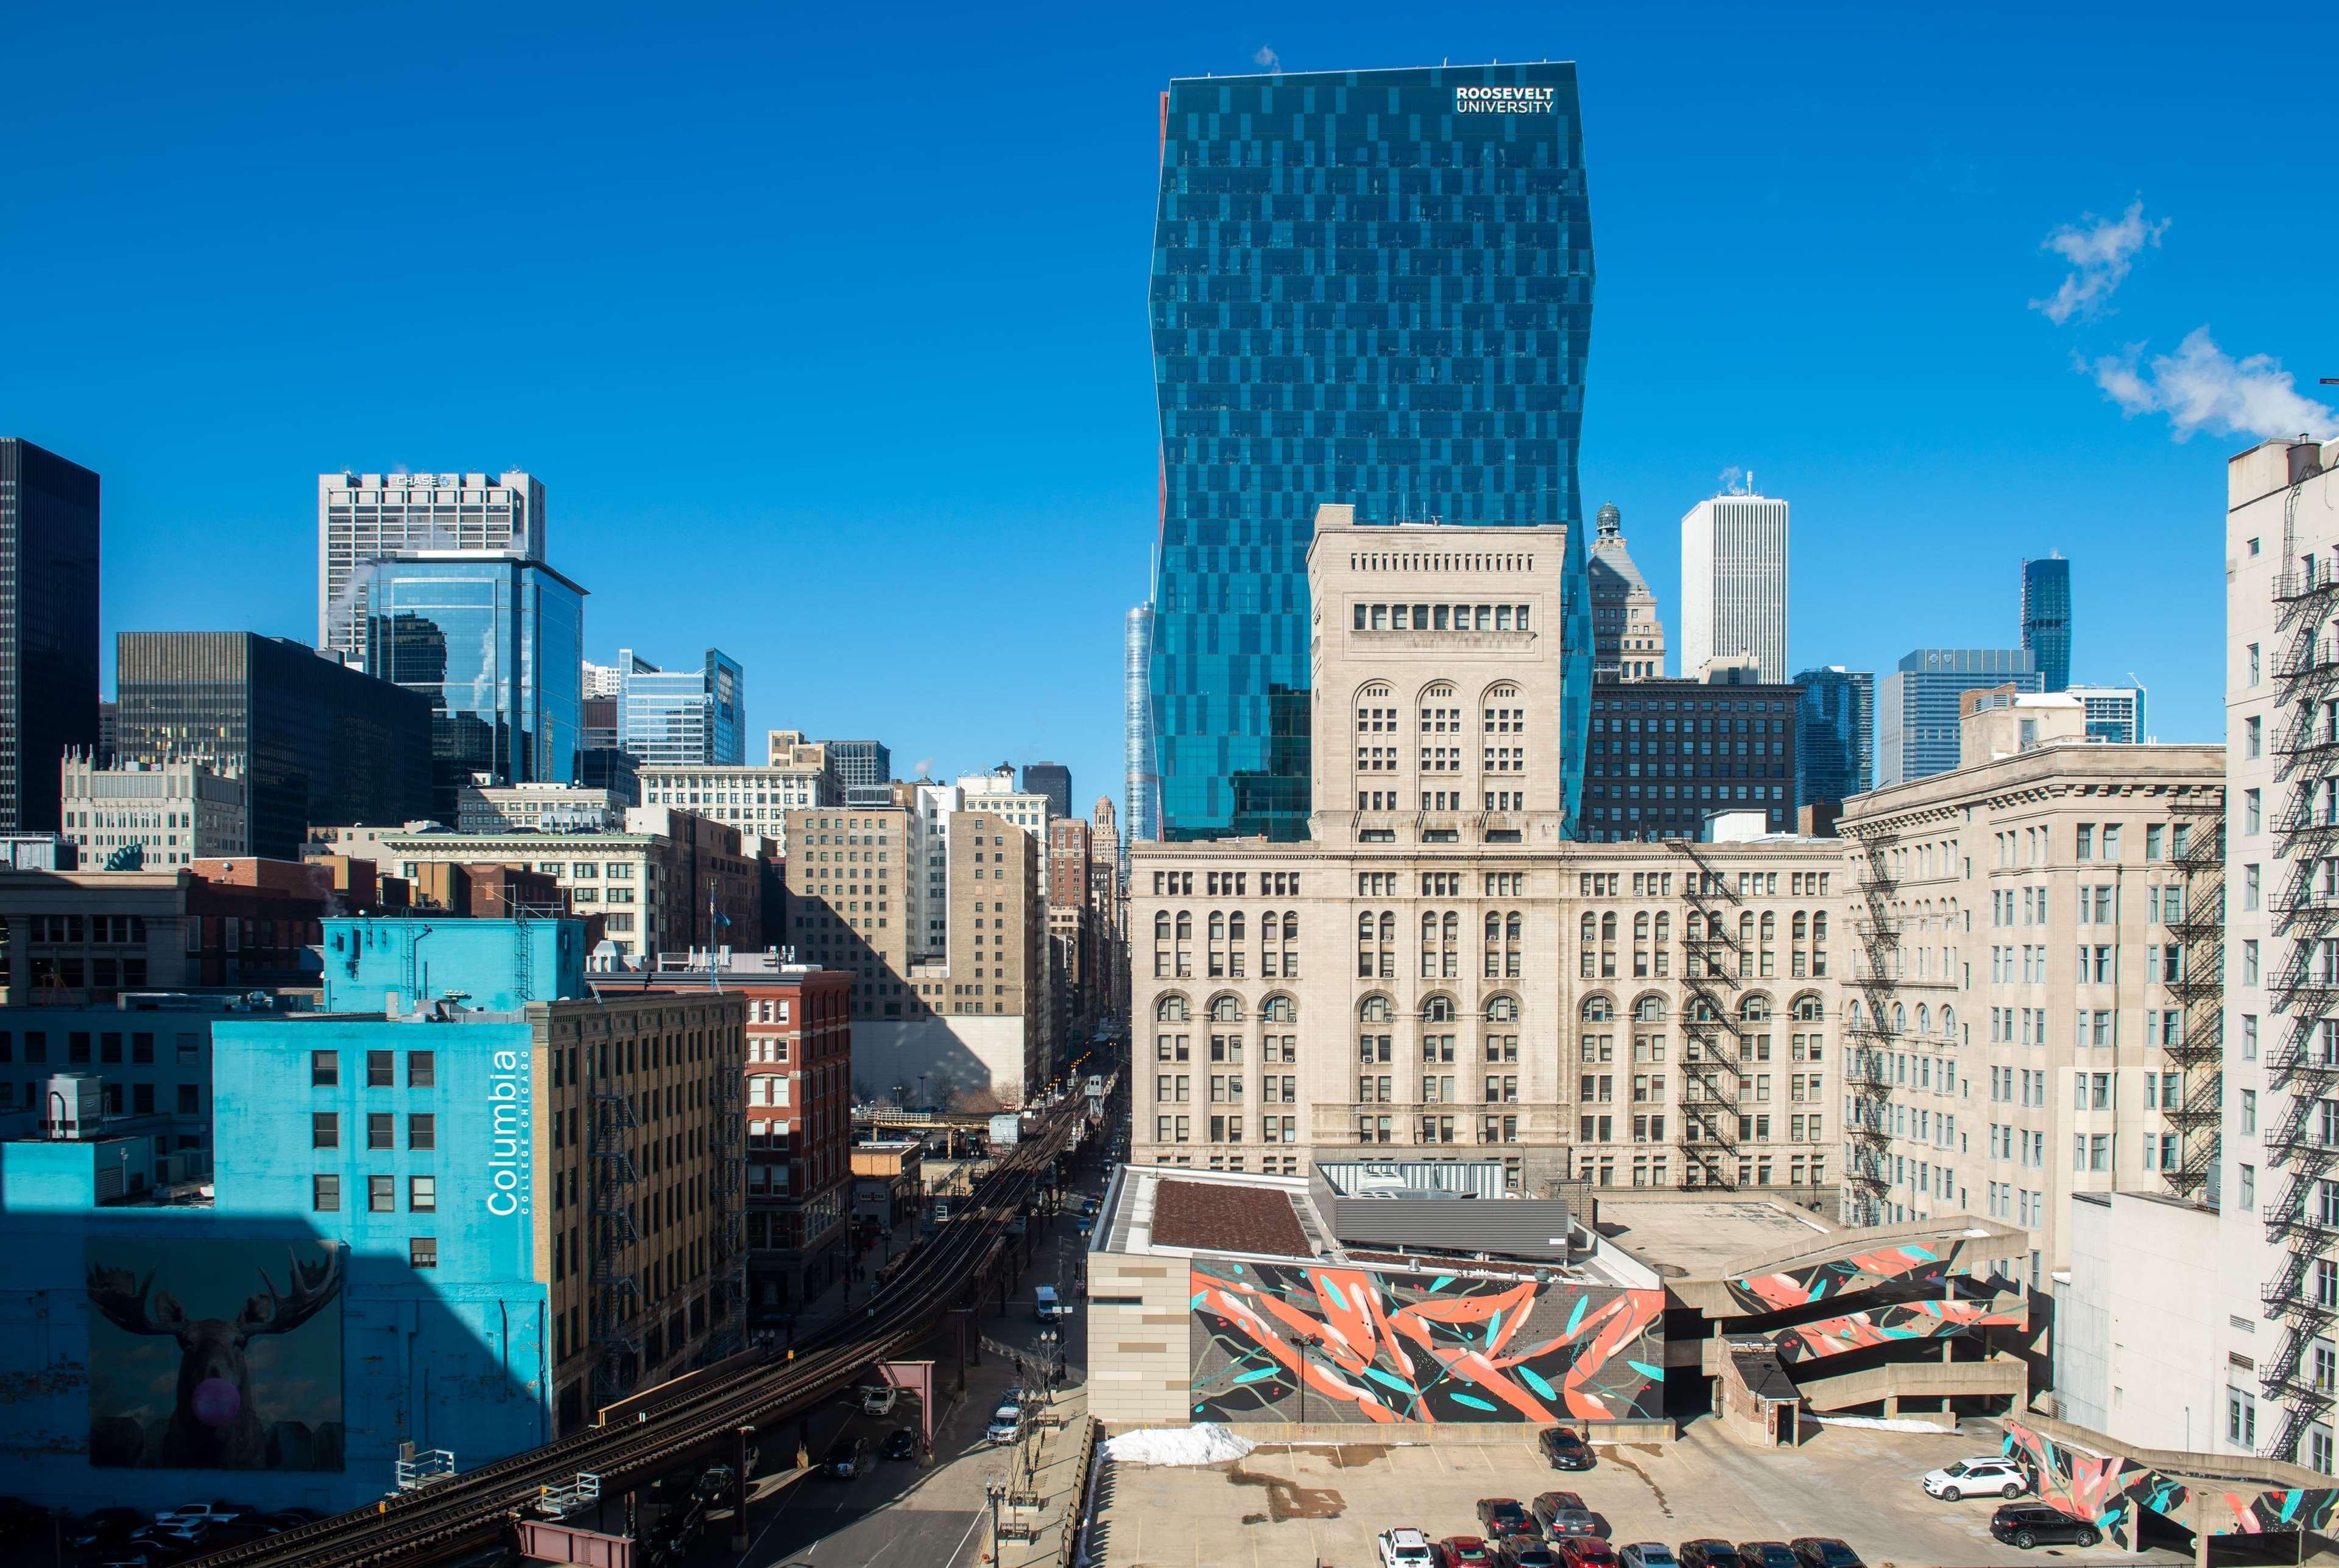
[(1972, 1477), (1402, 1549)]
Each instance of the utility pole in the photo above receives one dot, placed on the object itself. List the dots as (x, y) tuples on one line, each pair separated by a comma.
[(995, 1489)]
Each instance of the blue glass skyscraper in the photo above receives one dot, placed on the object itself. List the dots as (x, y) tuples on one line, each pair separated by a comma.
[(2047, 619), (497, 643), (1369, 288)]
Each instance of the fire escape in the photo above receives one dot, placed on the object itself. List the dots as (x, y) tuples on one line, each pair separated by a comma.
[(1867, 1132), (617, 1298), (2199, 989), (2302, 1140), (729, 1306), (1711, 1054)]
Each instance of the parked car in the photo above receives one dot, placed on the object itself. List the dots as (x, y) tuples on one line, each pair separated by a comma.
[(1710, 1553), (2028, 1525), (714, 1484), (1825, 1552), (1006, 1425), (878, 1401), (1502, 1518), (1529, 1552), (1402, 1548), (847, 1458), (900, 1443), (1972, 1477), (1585, 1552), (1566, 1449), (1647, 1555), (1562, 1514), (212, 1509), (103, 1527), (1465, 1552), (1768, 1555)]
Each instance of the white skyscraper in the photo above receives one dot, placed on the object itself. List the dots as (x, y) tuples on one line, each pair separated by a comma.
[(1734, 584), (363, 517)]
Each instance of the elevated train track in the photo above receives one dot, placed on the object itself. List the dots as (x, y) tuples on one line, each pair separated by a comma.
[(698, 1421)]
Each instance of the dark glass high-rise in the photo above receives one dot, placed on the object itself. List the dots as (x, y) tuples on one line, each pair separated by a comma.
[(1369, 288), (2047, 619), (48, 628)]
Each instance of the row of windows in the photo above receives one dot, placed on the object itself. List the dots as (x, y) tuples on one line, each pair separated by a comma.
[(380, 1068)]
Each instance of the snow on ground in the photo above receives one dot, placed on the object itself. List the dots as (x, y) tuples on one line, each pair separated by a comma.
[(1203, 1443), (1874, 1424)]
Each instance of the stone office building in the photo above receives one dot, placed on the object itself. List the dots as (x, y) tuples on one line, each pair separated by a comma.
[(1442, 966)]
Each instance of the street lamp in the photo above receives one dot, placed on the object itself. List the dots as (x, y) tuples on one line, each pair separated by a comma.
[(994, 1488)]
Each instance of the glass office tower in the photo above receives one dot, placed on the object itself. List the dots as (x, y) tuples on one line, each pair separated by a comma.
[(496, 644), (1369, 288), (2047, 619)]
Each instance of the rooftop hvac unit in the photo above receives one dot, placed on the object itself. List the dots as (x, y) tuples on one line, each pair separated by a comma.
[(72, 1106)]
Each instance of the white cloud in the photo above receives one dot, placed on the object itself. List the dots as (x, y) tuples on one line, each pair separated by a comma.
[(1269, 58), (1735, 481), (2202, 387), (2102, 252)]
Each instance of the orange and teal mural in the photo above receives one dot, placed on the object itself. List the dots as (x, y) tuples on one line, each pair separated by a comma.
[(2105, 1489), (1906, 1267), (1287, 1342), (2310, 1508), (1971, 1306)]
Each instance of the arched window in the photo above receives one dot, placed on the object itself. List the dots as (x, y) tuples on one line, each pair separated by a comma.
[(1591, 928), (1745, 927), (1226, 1010), (1218, 925), (1755, 1009), (1364, 926), (1375, 1010), (1172, 1009), (1281, 1010), (1502, 1009), (1924, 1019), (1649, 1010), (1808, 1010), (1701, 1011), (1665, 927), (1819, 926), (1851, 1013), (1185, 926), (1900, 1019), (1803, 926), (1949, 1022), (1769, 927), (1641, 926), (1388, 926), (1598, 1010), (1607, 927), (1291, 925), (1234, 926), (1268, 924), (1162, 925), (1437, 1010)]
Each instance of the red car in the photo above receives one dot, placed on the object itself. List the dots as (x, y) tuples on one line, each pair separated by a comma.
[(1585, 1552), (1465, 1552)]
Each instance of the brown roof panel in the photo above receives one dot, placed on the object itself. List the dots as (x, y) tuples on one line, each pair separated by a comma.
[(1218, 1217)]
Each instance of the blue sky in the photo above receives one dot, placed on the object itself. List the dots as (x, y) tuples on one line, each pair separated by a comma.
[(826, 325)]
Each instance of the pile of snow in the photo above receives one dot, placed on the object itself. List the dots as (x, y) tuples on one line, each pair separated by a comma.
[(1205, 1443), (1872, 1423)]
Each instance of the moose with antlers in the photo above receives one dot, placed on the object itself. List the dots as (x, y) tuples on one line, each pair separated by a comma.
[(213, 1425)]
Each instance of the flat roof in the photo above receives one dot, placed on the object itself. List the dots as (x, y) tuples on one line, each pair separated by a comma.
[(1699, 1238), (1158, 1210)]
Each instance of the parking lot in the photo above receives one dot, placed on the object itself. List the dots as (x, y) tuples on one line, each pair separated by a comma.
[(1304, 1506)]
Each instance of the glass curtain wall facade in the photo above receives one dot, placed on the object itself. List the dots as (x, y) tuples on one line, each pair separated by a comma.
[(2047, 619), (496, 645), (1835, 754), (1369, 288), (48, 628), (681, 719), (318, 744)]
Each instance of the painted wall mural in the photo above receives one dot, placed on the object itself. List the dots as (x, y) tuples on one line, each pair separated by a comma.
[(1906, 1267), (2310, 1508), (214, 1354), (1970, 1307), (2101, 1488), (1391, 1346)]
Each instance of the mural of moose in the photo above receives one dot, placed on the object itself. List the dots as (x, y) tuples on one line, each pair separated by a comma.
[(214, 1424)]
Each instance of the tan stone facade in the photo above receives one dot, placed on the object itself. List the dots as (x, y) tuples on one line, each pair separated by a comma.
[(1441, 968), (848, 900), (2025, 1017)]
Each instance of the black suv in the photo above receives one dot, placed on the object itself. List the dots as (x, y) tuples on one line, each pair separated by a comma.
[(1566, 1449), (1825, 1552), (2028, 1525), (1710, 1554)]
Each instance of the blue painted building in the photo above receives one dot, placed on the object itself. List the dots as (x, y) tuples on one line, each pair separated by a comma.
[(410, 1201)]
